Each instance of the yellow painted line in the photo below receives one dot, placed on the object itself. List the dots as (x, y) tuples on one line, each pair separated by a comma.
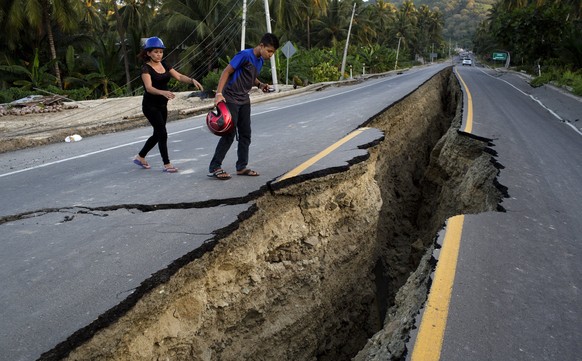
[(429, 340), (469, 125), (321, 154)]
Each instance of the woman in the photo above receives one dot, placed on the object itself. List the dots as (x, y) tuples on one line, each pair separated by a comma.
[(155, 75)]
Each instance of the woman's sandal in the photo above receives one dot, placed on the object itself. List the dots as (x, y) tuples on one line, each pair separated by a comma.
[(170, 169), (143, 164), (219, 173), (247, 172)]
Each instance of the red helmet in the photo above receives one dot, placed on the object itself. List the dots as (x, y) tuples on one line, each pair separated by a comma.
[(219, 120)]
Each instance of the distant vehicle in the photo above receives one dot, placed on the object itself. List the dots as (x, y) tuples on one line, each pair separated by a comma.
[(467, 61)]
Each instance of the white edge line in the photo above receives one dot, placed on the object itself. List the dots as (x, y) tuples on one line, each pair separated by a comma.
[(89, 154), (178, 132), (537, 101)]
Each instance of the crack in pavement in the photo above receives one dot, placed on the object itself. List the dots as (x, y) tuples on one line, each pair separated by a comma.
[(74, 210)]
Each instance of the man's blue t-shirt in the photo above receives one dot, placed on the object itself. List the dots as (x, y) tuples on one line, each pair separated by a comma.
[(246, 69)]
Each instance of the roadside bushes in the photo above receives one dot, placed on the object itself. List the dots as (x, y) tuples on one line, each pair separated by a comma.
[(210, 83), (11, 94), (562, 78)]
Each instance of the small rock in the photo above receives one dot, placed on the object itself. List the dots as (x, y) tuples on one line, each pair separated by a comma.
[(312, 241)]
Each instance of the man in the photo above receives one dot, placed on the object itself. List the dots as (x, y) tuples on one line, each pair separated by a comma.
[(235, 83)]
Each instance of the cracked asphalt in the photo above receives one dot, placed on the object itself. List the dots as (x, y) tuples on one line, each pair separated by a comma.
[(82, 226)]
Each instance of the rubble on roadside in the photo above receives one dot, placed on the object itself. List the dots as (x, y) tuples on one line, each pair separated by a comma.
[(35, 104)]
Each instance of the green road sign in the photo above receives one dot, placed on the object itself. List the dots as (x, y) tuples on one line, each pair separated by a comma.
[(499, 56)]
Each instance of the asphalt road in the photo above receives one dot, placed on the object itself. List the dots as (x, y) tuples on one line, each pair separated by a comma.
[(78, 241), (516, 291)]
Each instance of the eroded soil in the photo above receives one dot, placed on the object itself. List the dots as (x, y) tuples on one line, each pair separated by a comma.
[(327, 268)]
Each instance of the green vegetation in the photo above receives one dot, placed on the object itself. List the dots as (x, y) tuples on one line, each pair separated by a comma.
[(544, 38), (210, 82), (85, 49), (461, 18)]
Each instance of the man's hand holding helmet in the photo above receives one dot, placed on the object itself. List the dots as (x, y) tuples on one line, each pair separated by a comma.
[(218, 98)]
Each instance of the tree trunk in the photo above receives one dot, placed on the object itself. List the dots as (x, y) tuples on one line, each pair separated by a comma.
[(51, 39), (121, 32), (308, 33)]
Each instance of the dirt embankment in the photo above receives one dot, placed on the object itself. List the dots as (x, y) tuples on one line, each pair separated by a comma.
[(332, 268), (85, 118)]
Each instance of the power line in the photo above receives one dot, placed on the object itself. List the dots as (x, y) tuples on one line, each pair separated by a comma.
[(230, 29)]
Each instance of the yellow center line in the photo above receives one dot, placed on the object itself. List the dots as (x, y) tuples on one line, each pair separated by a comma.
[(320, 155), (430, 336), (469, 125), (429, 340)]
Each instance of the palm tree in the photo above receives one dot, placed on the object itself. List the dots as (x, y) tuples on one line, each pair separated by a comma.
[(429, 28), (312, 10), (203, 29), (334, 25), (126, 20), (41, 16), (405, 25), (289, 16), (382, 15), (133, 18), (363, 27), (102, 62), (93, 16), (422, 32)]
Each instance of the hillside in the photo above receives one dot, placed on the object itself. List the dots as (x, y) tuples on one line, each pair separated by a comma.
[(461, 17)]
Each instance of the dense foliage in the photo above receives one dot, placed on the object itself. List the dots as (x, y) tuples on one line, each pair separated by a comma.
[(543, 38), (88, 49), (462, 17)]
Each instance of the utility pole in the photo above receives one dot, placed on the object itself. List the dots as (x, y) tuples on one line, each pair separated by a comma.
[(450, 51), (273, 66), (347, 43), (244, 24), (397, 51)]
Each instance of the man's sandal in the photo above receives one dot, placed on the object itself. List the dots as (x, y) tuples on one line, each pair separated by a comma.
[(219, 174), (247, 172)]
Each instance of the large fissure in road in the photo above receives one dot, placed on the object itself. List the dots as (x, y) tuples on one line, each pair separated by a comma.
[(332, 267)]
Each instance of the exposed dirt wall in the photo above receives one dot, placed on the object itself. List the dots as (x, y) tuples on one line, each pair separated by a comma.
[(460, 178), (316, 268)]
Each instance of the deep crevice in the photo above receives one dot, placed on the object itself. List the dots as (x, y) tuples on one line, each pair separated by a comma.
[(329, 265)]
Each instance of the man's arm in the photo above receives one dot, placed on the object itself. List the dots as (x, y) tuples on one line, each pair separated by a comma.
[(226, 73)]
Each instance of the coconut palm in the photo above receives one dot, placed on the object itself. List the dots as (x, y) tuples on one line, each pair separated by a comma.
[(429, 29), (382, 14), (334, 25), (40, 16), (405, 25), (128, 19), (297, 17), (312, 11), (93, 16), (202, 30), (101, 64)]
